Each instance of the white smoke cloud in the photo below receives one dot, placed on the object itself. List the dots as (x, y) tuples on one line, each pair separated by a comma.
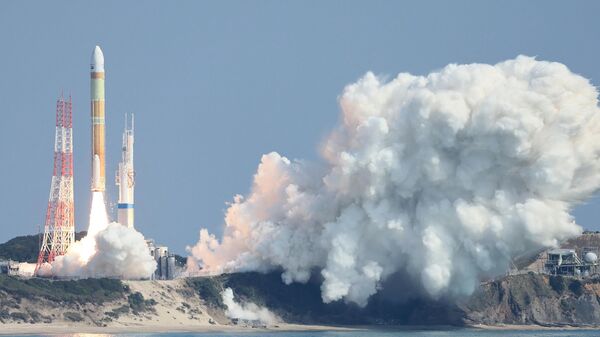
[(120, 252), (108, 250), (26, 269), (247, 311), (443, 177)]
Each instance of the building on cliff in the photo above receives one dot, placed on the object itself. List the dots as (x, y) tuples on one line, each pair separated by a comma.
[(566, 262)]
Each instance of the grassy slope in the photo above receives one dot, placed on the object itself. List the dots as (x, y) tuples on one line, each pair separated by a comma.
[(25, 248), (65, 299), (95, 291)]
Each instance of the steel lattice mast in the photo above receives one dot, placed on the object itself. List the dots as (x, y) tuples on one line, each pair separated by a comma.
[(59, 227)]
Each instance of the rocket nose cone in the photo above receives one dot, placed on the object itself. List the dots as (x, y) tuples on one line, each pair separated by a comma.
[(97, 64)]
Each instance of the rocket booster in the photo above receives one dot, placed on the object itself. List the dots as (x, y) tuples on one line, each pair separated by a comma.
[(97, 111)]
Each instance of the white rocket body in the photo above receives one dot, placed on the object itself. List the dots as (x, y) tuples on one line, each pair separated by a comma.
[(125, 179)]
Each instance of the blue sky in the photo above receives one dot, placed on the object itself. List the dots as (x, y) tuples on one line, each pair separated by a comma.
[(214, 85)]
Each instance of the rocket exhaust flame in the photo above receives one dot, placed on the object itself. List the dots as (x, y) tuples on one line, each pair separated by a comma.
[(96, 182), (440, 178), (98, 222), (98, 215)]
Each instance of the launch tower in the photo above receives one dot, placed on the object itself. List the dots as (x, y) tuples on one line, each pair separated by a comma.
[(59, 227), (125, 177)]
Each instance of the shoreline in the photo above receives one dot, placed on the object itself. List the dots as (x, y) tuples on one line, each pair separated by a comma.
[(25, 329), (526, 327), (56, 329)]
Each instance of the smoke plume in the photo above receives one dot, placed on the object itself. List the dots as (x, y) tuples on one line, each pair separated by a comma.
[(443, 177), (247, 311), (108, 250)]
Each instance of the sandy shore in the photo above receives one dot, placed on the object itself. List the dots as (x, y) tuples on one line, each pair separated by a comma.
[(56, 329)]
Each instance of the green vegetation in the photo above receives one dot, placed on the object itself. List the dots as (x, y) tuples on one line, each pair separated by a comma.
[(115, 313), (25, 248), (73, 316), (209, 289), (35, 315), (90, 290), (138, 304), (21, 248), (19, 316)]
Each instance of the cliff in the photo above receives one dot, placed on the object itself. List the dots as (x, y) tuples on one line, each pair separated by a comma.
[(535, 299)]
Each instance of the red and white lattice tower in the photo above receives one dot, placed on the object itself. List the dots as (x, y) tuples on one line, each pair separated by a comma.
[(59, 227)]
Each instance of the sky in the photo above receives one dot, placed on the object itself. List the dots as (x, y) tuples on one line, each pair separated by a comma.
[(214, 85)]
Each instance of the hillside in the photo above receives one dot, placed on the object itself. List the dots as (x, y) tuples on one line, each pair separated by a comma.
[(25, 248), (96, 303)]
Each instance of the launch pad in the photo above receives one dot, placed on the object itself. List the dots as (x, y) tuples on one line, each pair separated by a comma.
[(59, 229)]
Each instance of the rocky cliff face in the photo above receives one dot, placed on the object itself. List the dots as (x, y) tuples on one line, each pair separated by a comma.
[(534, 299)]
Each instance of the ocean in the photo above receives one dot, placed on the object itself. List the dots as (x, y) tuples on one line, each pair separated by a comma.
[(369, 333)]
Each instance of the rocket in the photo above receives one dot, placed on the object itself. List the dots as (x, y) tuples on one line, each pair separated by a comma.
[(125, 178), (97, 110)]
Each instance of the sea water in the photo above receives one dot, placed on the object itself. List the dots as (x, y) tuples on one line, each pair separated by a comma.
[(364, 333)]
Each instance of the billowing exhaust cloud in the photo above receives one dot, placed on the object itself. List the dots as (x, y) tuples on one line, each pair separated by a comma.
[(246, 311), (108, 250), (120, 252), (443, 177)]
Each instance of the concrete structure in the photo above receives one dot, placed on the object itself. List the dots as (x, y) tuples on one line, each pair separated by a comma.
[(97, 112), (170, 267), (125, 178), (9, 267), (566, 262), (166, 268)]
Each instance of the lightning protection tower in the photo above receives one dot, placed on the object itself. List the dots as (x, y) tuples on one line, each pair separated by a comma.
[(59, 227)]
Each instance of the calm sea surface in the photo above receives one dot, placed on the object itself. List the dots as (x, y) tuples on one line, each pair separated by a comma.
[(370, 333)]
